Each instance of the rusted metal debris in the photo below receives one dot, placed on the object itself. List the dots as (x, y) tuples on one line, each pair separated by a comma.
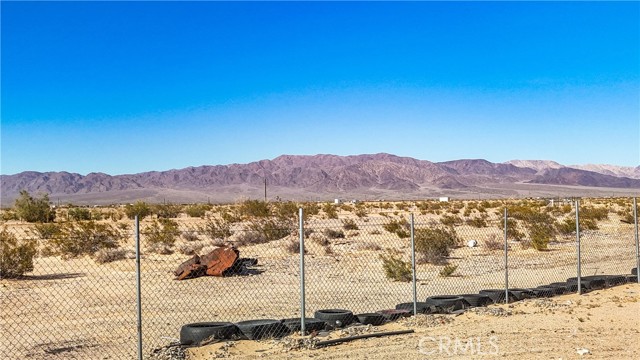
[(222, 261)]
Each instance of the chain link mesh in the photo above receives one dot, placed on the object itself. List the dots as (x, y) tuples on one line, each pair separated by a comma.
[(80, 298)]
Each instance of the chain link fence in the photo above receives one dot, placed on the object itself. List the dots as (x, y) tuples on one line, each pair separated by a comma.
[(80, 300)]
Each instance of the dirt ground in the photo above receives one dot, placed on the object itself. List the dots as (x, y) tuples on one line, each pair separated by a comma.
[(597, 325)]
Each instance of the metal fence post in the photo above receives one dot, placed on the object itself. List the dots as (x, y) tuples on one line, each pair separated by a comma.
[(635, 216), (138, 288), (578, 246), (413, 268), (506, 259), (302, 293)]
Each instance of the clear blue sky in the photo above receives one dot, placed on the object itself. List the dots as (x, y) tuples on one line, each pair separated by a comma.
[(126, 87)]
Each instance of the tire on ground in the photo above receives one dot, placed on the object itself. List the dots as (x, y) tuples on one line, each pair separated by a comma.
[(542, 292), (522, 294), (310, 324), (394, 314), (590, 282), (497, 295), (191, 334), (263, 328), (477, 300), (374, 319), (335, 318), (421, 307)]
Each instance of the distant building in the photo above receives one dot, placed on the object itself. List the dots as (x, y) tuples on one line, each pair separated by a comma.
[(337, 201), (444, 199)]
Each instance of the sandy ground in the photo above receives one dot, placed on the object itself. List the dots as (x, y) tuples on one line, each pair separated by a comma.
[(78, 309), (601, 324)]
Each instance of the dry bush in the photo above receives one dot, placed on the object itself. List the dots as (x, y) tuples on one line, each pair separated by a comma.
[(448, 270), (47, 230), (192, 248), (333, 234), (320, 239), (216, 228), (330, 211), (85, 238), (161, 235), (272, 229), (190, 236), (395, 268), (478, 222), (16, 257), (254, 209), (349, 224), (433, 244), (399, 227), (197, 210), (494, 243), (293, 247), (450, 220), (375, 232), (104, 256)]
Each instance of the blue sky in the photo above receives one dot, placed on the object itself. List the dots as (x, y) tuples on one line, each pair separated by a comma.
[(126, 87)]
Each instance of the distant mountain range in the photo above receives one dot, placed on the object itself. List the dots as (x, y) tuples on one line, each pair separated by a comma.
[(323, 177)]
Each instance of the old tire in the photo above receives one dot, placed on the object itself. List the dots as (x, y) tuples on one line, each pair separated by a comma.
[(421, 307), (192, 334), (310, 324), (569, 287), (634, 271), (614, 280), (374, 319), (394, 314), (335, 318), (544, 292), (632, 278), (447, 302), (497, 295), (477, 300), (263, 328), (522, 294), (591, 282)]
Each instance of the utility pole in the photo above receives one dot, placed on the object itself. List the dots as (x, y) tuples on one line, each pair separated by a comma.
[(265, 189)]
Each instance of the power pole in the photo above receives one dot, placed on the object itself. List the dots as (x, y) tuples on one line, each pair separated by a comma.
[(265, 189)]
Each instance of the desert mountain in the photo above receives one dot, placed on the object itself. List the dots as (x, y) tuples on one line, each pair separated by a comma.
[(318, 177)]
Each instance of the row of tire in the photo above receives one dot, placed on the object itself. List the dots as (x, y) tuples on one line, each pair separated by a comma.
[(328, 319)]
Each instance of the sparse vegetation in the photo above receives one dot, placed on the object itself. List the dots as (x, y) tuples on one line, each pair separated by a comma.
[(161, 235), (16, 257), (84, 238), (333, 234), (395, 268), (435, 243), (140, 208), (197, 210), (32, 209), (448, 270), (349, 224), (399, 227)]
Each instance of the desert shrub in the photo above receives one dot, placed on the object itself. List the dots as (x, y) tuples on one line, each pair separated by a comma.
[(568, 226), (320, 239), (593, 213), (287, 210), (330, 211), (197, 210), (512, 229), (115, 215), (16, 257), (369, 246), (32, 209), (333, 234), (310, 209), (47, 230), (167, 211), (216, 229), (375, 232), (161, 235), (448, 270), (192, 248), (361, 212), (627, 218), (9, 215), (450, 220), (493, 243), (79, 214), (540, 234), (346, 207), (190, 236), (349, 224), (254, 208), (140, 208), (96, 214), (434, 244), (266, 230), (293, 247), (395, 268), (85, 238), (399, 227), (478, 222), (231, 215), (104, 256)]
